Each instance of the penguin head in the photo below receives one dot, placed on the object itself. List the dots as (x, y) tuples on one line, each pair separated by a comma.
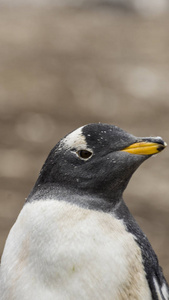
[(96, 159)]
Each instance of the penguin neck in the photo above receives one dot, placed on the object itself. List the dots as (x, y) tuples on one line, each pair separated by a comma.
[(102, 201)]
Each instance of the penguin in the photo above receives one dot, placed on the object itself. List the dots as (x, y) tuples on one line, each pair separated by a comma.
[(75, 238)]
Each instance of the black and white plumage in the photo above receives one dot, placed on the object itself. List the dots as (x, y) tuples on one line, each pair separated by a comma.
[(75, 237)]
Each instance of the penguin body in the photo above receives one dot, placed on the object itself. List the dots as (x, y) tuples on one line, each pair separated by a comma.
[(70, 252), (75, 238)]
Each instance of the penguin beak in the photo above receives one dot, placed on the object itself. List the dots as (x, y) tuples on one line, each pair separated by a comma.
[(146, 146)]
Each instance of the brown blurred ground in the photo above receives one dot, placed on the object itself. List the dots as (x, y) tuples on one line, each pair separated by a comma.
[(60, 69)]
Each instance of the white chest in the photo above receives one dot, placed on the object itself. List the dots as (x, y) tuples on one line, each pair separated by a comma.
[(58, 251)]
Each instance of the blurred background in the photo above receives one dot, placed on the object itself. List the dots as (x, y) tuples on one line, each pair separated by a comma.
[(65, 63)]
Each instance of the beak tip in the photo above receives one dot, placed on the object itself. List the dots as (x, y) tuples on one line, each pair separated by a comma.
[(160, 147)]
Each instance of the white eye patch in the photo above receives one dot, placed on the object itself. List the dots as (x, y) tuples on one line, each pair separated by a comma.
[(75, 139)]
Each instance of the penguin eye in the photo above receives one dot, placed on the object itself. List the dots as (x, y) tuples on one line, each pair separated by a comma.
[(84, 154)]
